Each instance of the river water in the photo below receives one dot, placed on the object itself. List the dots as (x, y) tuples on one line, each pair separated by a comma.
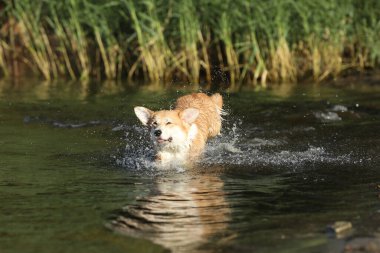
[(76, 172)]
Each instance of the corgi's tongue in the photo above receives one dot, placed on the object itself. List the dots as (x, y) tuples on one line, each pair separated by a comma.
[(160, 140)]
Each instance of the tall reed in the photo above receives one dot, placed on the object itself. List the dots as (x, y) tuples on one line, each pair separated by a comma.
[(188, 27), (4, 70), (148, 27), (249, 41), (34, 37)]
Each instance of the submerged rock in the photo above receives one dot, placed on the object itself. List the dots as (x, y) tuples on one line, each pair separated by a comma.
[(339, 227), (363, 244)]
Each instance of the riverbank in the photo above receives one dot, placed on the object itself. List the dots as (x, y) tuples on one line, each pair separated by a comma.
[(215, 41)]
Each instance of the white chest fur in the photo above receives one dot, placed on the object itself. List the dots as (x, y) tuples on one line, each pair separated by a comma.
[(167, 156)]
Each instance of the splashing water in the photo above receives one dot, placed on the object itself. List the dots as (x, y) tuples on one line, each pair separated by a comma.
[(233, 147), (236, 148), (138, 153)]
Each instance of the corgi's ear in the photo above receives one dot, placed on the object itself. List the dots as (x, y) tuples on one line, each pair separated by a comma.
[(144, 114), (189, 115)]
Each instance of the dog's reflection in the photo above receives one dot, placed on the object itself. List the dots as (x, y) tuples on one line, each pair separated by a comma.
[(182, 213)]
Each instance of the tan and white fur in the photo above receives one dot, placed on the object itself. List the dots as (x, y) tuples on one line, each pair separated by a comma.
[(180, 135)]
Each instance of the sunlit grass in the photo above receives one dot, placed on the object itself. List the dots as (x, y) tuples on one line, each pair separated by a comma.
[(249, 41)]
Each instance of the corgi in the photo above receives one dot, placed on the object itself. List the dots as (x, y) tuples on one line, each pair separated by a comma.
[(180, 135)]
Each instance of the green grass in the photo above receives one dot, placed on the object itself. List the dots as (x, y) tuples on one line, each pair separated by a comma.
[(249, 41)]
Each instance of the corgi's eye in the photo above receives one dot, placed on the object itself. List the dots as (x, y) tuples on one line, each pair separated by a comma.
[(168, 123), (154, 123)]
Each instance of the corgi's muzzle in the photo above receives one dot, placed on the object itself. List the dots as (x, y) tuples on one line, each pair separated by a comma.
[(157, 133)]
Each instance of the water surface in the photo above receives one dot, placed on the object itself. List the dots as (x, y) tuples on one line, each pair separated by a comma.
[(76, 172)]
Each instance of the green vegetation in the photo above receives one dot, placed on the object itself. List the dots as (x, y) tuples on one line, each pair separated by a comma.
[(250, 41)]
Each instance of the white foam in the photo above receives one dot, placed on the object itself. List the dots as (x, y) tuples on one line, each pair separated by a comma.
[(327, 116), (339, 108), (250, 155)]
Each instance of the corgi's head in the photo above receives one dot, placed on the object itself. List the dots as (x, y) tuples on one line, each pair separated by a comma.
[(172, 128)]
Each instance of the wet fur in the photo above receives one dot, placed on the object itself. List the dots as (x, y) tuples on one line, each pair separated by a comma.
[(196, 118)]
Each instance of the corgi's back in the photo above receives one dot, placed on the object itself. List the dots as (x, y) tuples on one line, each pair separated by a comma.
[(210, 108)]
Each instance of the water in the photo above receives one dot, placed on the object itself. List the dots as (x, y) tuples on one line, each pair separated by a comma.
[(76, 172)]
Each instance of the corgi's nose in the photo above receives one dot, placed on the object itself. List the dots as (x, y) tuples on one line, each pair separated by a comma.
[(157, 133)]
